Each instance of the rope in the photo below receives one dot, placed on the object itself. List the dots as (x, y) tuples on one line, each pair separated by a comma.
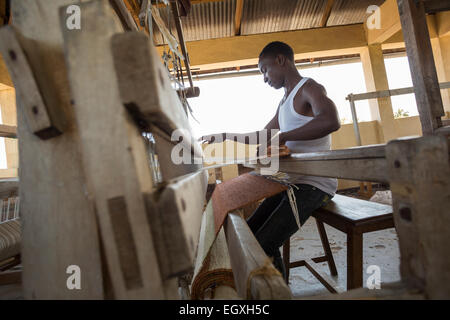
[(266, 270)]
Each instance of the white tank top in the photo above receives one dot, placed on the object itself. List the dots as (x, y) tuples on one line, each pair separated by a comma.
[(289, 119)]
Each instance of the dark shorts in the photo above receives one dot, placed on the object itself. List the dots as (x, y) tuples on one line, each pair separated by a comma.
[(273, 222)]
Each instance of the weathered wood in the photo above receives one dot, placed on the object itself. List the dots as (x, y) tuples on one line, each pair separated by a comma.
[(145, 87), (370, 169), (9, 188), (114, 157), (212, 264), (122, 11), (164, 147), (421, 62), (238, 17), (53, 202), (366, 152), (254, 274), (10, 277), (419, 171), (178, 208), (39, 120), (8, 131)]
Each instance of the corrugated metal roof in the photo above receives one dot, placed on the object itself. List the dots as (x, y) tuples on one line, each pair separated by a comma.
[(262, 16), (215, 19), (205, 21), (350, 11)]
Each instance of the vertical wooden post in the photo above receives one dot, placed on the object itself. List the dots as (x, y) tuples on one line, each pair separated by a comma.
[(59, 226), (421, 63), (419, 171)]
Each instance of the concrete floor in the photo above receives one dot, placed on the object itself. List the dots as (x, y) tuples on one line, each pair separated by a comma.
[(380, 248)]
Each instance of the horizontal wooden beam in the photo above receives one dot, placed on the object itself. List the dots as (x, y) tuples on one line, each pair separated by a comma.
[(9, 188), (366, 163), (244, 50), (8, 131)]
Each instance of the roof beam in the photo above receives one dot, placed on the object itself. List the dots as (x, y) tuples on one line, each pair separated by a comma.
[(238, 17), (326, 13)]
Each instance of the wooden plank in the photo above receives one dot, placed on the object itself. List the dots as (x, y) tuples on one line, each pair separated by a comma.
[(355, 210), (324, 279), (164, 147), (421, 62), (238, 17), (124, 14), (9, 188), (419, 171), (145, 88), (254, 274), (370, 169), (53, 203), (179, 210), (114, 156), (38, 118), (8, 131), (371, 151), (326, 13), (10, 277)]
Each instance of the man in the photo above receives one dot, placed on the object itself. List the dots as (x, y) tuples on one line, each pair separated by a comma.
[(305, 117)]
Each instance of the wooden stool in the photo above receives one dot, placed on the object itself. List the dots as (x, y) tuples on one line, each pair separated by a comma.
[(354, 217)]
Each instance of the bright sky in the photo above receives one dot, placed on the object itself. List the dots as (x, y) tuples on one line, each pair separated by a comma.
[(245, 104)]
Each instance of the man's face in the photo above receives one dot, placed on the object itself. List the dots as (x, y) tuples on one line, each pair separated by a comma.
[(272, 71)]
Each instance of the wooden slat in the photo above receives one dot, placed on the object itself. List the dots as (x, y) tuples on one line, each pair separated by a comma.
[(9, 188), (53, 203), (247, 256), (178, 211), (419, 171), (38, 118), (145, 87), (363, 152), (326, 13), (164, 147), (238, 17), (355, 210), (114, 157), (8, 131), (124, 14), (421, 62), (363, 169)]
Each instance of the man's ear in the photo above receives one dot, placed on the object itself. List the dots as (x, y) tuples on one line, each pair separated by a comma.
[(280, 59)]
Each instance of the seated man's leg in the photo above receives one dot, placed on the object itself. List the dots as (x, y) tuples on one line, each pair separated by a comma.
[(264, 210), (280, 224)]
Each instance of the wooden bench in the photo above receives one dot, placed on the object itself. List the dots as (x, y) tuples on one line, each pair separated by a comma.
[(354, 217)]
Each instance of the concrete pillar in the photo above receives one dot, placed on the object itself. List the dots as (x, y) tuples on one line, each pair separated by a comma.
[(441, 53), (9, 117), (376, 80)]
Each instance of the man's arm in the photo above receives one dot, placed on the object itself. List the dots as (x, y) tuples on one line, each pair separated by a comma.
[(247, 138), (325, 121)]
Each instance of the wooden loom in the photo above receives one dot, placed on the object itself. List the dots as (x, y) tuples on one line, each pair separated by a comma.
[(88, 196)]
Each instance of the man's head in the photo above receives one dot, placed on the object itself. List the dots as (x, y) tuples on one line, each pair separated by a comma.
[(274, 61)]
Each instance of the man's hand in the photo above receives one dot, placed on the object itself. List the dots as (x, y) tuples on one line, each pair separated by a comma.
[(213, 138)]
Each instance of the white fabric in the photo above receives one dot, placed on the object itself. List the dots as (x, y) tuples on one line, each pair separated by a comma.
[(288, 120)]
